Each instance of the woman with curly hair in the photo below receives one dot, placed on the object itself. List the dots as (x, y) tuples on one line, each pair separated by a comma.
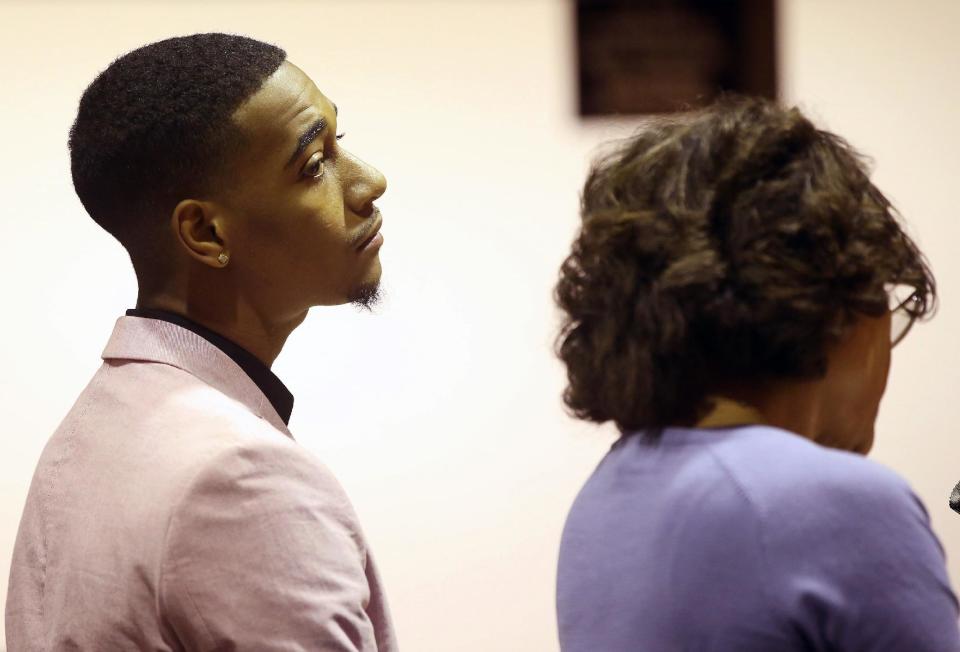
[(730, 304)]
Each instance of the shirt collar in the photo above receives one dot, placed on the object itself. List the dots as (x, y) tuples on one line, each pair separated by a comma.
[(271, 386)]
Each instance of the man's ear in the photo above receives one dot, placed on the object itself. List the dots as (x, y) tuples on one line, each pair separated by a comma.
[(200, 230)]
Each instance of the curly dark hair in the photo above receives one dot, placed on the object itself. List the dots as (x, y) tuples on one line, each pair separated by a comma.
[(724, 246), (155, 127)]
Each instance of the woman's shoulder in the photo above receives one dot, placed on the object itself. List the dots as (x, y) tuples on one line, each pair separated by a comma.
[(845, 535), (777, 467), (801, 489)]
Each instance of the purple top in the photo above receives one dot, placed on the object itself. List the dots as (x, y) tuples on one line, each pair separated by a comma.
[(751, 539)]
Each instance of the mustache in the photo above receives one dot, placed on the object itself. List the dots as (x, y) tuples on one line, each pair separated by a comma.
[(368, 230)]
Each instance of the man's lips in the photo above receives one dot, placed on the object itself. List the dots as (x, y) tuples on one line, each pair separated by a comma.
[(372, 230)]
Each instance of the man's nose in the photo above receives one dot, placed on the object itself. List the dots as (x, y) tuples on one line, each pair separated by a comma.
[(365, 186)]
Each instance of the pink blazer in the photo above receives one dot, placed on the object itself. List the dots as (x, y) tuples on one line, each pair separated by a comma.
[(172, 510)]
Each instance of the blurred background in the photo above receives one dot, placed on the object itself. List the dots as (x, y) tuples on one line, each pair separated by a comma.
[(441, 413)]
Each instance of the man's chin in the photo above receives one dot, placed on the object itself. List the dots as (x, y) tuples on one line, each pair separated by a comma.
[(366, 295)]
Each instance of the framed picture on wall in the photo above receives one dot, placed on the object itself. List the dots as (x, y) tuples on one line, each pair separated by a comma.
[(659, 56)]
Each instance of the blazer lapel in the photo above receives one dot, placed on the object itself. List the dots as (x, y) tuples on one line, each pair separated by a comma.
[(154, 340)]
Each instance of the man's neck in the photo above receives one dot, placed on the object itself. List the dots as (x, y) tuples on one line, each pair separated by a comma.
[(262, 337)]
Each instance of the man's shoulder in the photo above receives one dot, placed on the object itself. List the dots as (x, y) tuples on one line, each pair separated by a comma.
[(165, 429), (230, 448), (171, 407), (263, 486)]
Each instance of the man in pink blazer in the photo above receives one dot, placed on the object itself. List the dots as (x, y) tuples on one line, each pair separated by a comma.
[(172, 509)]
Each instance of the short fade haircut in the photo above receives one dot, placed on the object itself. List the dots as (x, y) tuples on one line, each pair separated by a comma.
[(155, 127), (724, 246)]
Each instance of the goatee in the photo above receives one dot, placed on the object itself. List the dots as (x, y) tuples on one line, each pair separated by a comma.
[(366, 296)]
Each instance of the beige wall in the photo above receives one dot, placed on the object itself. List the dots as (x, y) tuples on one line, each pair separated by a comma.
[(441, 414)]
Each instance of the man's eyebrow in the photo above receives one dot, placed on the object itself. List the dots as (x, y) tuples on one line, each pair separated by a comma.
[(308, 137)]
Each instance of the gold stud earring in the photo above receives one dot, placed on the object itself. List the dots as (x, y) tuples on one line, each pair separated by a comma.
[(223, 258)]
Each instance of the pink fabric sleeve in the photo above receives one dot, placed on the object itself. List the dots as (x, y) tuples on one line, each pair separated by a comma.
[(265, 553)]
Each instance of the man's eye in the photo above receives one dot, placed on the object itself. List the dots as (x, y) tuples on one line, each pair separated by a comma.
[(314, 167)]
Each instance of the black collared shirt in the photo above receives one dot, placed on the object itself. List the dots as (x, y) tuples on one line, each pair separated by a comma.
[(275, 391)]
